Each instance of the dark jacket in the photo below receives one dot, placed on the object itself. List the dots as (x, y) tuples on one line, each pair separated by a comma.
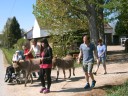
[(47, 58)]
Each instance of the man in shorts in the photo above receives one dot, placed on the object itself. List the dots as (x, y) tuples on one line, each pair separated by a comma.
[(86, 52)]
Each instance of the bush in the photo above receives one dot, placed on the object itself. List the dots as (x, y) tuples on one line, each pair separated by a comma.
[(19, 43)]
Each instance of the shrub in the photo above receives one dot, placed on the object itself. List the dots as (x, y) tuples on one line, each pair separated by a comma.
[(19, 43)]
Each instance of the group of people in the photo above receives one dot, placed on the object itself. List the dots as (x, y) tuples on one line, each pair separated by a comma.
[(86, 53), (44, 52)]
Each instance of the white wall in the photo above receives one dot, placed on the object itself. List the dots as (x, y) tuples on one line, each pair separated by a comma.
[(36, 30)]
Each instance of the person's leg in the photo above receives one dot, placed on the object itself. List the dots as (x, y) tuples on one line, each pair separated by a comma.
[(90, 67), (48, 76), (42, 72), (104, 65), (85, 67), (87, 77), (38, 76)]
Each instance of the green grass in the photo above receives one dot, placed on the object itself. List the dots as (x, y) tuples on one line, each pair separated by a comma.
[(8, 54), (121, 90)]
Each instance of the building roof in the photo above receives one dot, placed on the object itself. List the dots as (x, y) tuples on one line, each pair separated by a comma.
[(107, 26), (29, 34)]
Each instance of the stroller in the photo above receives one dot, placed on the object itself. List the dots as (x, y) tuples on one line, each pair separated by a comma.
[(10, 75)]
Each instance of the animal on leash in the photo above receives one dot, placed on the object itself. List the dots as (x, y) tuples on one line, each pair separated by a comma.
[(28, 66), (64, 63)]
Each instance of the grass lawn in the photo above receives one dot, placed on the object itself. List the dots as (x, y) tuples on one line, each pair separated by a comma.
[(121, 90), (8, 54)]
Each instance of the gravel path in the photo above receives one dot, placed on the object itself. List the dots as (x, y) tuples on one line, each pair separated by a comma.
[(117, 74), (3, 86)]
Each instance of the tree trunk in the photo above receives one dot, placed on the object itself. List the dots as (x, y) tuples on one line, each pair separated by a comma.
[(101, 25), (92, 18), (100, 22)]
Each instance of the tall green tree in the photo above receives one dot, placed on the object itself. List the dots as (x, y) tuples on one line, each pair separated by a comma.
[(11, 32), (15, 29)]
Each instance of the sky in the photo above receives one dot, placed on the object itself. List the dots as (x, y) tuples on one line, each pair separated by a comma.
[(21, 9)]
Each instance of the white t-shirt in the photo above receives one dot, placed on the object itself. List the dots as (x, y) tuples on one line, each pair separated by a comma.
[(36, 49)]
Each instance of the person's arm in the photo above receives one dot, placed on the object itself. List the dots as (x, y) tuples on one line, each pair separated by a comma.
[(49, 57), (79, 57), (29, 51), (104, 47)]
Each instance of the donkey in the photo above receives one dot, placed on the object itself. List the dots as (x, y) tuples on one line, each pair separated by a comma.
[(28, 66), (64, 63)]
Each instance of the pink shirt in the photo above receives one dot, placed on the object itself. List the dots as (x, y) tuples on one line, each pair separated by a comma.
[(44, 66)]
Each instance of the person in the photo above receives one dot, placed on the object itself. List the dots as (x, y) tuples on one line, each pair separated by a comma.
[(86, 51), (45, 66), (21, 52), (17, 56), (101, 49), (26, 50), (36, 48)]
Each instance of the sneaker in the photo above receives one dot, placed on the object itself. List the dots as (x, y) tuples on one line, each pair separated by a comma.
[(42, 89), (87, 86), (46, 91), (94, 73), (93, 84)]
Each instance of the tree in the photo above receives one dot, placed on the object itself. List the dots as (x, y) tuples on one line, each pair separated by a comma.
[(120, 8), (120, 29), (11, 32), (15, 28), (69, 14), (50, 15), (6, 41), (67, 43)]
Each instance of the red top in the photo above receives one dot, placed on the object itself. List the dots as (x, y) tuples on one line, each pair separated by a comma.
[(44, 66), (29, 56)]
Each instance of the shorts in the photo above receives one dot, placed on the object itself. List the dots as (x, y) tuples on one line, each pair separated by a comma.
[(102, 59), (87, 67)]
